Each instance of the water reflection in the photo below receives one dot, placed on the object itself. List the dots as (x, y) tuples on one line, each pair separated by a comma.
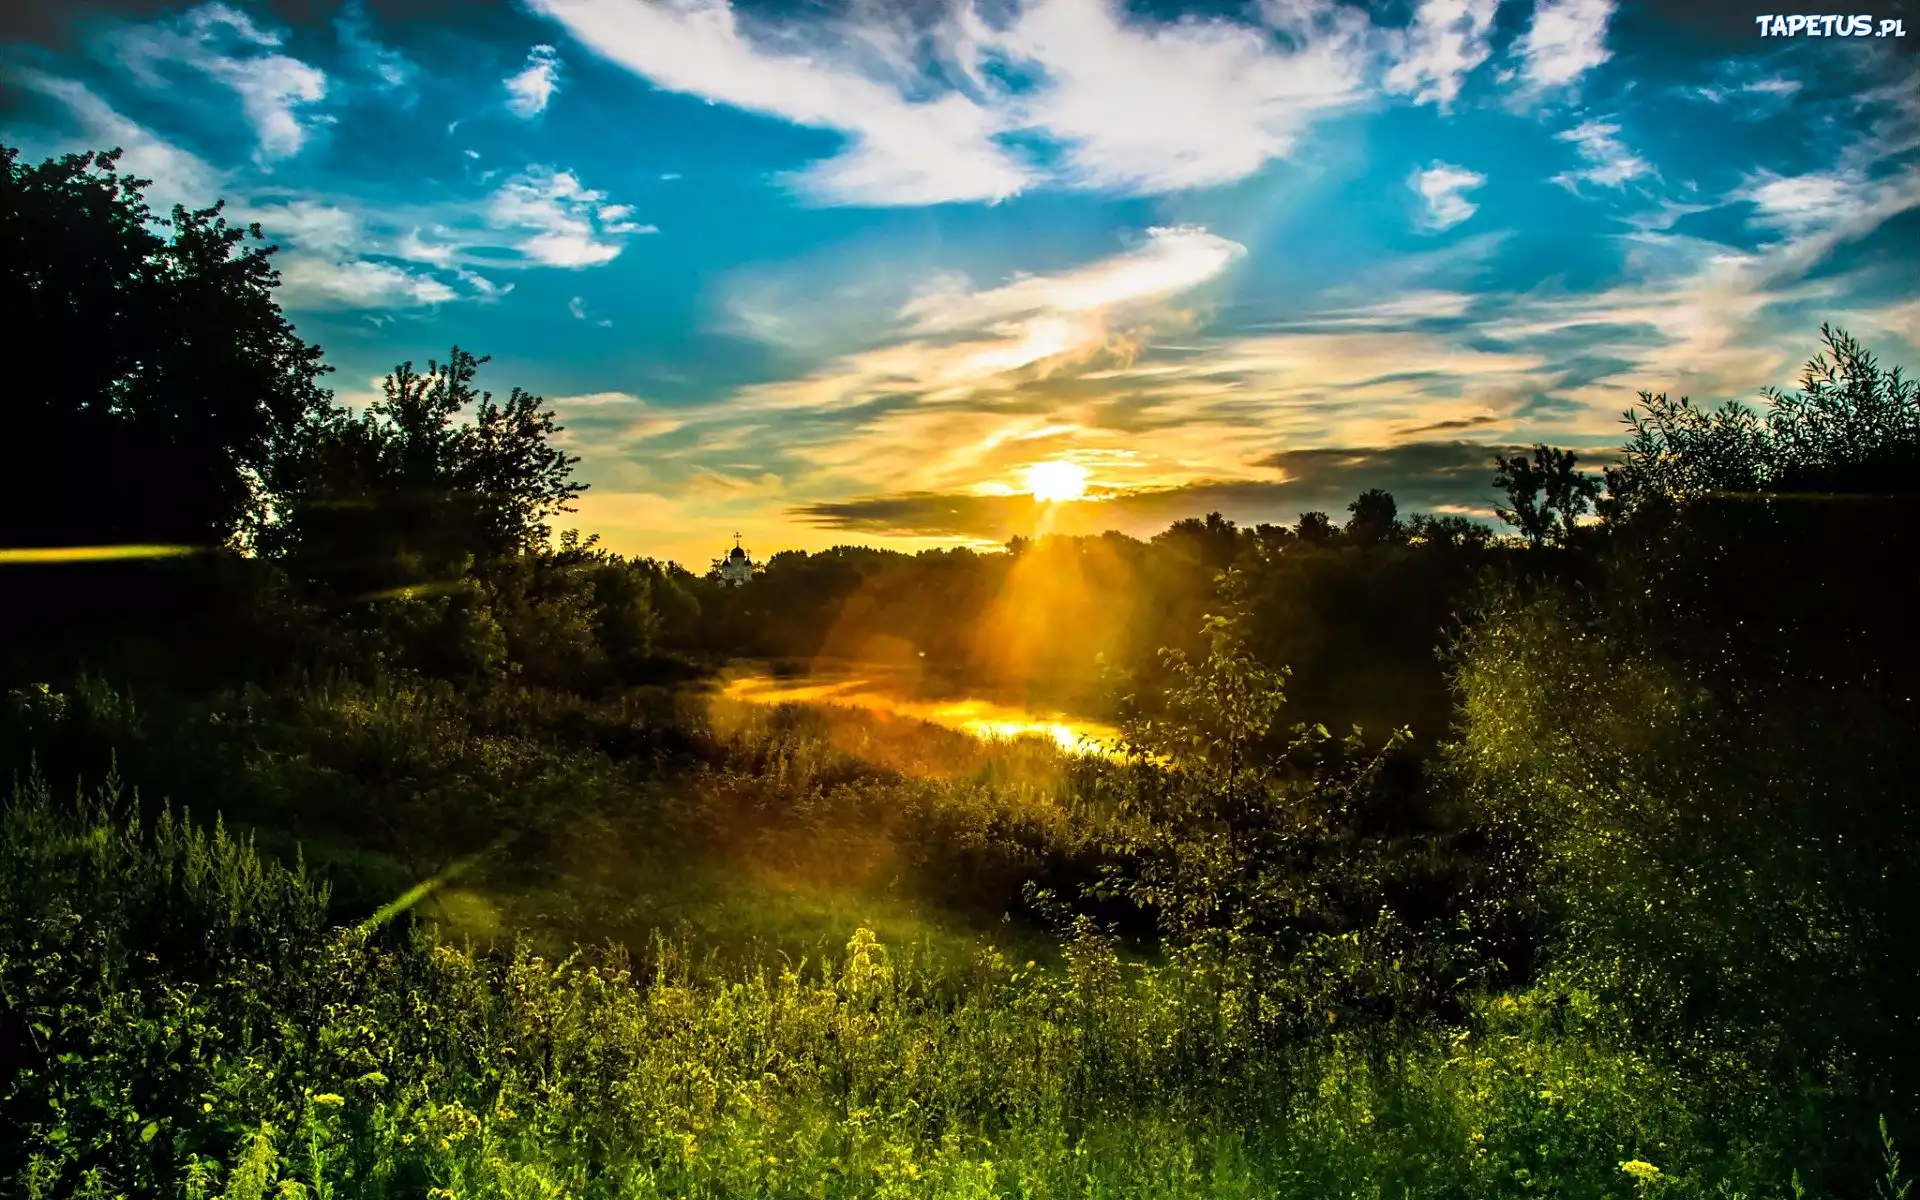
[(874, 692)]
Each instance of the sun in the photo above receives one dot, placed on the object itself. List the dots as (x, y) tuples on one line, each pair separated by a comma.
[(1052, 482)]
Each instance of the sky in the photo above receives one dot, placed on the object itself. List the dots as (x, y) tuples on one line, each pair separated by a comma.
[(919, 273)]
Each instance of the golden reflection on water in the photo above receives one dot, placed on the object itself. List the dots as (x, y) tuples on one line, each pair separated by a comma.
[(985, 719)]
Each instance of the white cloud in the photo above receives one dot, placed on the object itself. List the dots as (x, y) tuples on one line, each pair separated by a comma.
[(554, 220), (1171, 260), (312, 282), (1441, 185), (1126, 104), (1567, 39), (531, 89), (179, 176), (1609, 161), (954, 343), (578, 307), (1158, 107), (224, 44), (1802, 203), (1778, 86), (325, 265), (1447, 40), (900, 151)]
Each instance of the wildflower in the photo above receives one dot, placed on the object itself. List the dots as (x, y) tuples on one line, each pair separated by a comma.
[(1642, 1171), (329, 1100)]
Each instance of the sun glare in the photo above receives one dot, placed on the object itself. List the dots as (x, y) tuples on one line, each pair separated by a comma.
[(1051, 482)]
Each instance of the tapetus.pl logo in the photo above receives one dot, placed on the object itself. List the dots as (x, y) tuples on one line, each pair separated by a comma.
[(1829, 26)]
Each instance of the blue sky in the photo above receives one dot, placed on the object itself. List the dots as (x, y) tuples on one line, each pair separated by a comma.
[(849, 271)]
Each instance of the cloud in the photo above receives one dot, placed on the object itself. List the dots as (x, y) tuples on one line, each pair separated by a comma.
[(1172, 259), (1759, 97), (1447, 40), (1802, 203), (392, 68), (179, 176), (952, 337), (1567, 39), (223, 43), (556, 221), (1157, 107), (315, 282), (1441, 185), (932, 113), (900, 151), (1451, 476), (529, 91), (327, 267), (1609, 161)]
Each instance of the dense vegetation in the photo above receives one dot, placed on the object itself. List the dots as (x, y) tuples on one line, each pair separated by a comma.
[(412, 857)]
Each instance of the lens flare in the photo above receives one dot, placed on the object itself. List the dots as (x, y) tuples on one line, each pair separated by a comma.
[(73, 554)]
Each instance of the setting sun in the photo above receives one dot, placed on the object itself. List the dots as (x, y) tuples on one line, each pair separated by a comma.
[(1051, 482)]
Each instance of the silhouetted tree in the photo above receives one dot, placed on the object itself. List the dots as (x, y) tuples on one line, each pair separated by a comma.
[(1852, 428), (1375, 517), (1451, 531), (1547, 494), (407, 494), (153, 376), (1315, 529)]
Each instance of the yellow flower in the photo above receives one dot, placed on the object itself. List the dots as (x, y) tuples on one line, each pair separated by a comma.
[(1645, 1172)]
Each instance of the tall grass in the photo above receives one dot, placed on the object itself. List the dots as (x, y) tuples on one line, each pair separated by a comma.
[(183, 1020)]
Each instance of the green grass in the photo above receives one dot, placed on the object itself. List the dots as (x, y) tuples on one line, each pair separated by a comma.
[(193, 1025), (812, 970)]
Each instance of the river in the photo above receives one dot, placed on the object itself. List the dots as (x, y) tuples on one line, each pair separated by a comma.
[(878, 689)]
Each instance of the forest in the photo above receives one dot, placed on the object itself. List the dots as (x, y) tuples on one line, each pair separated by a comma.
[(370, 832)]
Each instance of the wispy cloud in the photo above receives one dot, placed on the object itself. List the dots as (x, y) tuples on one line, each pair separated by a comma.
[(1567, 39), (393, 69), (1442, 186), (1447, 40), (1750, 92), (276, 91), (178, 175), (556, 220), (1609, 161), (901, 151), (331, 261), (1153, 107), (1105, 100), (530, 90)]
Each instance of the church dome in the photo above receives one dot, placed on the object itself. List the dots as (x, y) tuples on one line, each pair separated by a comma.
[(737, 554)]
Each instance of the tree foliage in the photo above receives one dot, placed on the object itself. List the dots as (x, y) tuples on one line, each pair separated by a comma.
[(412, 492), (158, 376), (1546, 494)]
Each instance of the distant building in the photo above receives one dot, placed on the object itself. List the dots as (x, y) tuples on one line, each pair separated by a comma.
[(736, 568)]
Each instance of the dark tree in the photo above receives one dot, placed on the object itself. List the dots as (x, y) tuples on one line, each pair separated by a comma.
[(153, 374), (406, 495), (1315, 529), (1375, 517), (1448, 531), (1852, 428), (1547, 494)]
